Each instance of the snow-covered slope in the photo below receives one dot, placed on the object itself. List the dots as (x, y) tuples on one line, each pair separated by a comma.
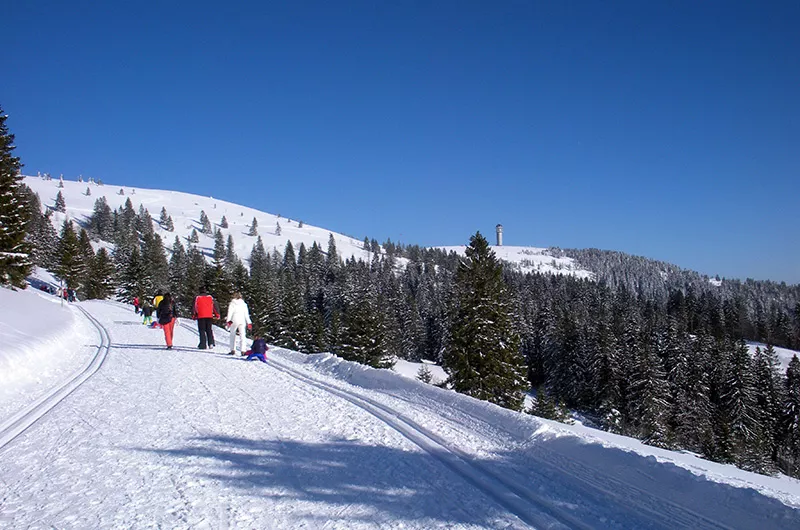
[(185, 210), (532, 259), (195, 439)]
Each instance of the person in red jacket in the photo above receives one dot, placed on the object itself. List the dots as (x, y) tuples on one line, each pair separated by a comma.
[(136, 304), (205, 311)]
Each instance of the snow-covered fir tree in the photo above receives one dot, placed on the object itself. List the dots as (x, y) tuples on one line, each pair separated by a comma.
[(71, 266), (253, 228), (15, 259), (61, 204), (224, 222), (205, 224), (101, 276), (482, 357)]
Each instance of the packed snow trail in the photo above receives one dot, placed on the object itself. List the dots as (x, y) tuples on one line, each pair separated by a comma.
[(195, 439), (186, 438)]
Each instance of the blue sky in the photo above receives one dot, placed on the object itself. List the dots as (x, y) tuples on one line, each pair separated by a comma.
[(670, 131)]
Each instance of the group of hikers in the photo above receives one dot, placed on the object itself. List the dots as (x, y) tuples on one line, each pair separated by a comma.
[(205, 311)]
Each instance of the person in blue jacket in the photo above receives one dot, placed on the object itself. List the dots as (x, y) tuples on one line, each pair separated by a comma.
[(258, 350)]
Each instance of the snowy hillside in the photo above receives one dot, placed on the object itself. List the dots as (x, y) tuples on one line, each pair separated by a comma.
[(532, 259), (119, 432), (185, 210)]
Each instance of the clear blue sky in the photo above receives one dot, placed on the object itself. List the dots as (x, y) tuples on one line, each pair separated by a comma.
[(664, 129)]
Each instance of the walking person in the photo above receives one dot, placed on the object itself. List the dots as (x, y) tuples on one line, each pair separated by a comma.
[(136, 304), (167, 317), (205, 311), (238, 319)]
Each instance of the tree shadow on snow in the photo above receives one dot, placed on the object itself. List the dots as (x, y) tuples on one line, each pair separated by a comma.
[(603, 487), (382, 483)]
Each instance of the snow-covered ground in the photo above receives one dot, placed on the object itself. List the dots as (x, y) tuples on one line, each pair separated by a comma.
[(784, 354), (41, 341), (532, 259), (185, 210), (195, 439)]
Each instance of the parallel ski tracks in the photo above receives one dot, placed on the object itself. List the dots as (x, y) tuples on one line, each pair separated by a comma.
[(509, 492), (21, 421)]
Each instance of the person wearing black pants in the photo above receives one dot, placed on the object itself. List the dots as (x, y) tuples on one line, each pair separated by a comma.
[(205, 311)]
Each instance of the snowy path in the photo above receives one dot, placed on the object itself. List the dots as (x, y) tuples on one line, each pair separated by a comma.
[(193, 439)]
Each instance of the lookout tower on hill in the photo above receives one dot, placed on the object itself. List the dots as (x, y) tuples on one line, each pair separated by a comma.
[(499, 229)]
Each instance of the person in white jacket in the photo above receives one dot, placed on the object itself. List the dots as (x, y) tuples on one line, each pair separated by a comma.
[(238, 319)]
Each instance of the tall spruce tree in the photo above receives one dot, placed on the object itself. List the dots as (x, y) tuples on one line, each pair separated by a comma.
[(15, 259), (71, 263), (253, 228), (483, 358), (224, 222)]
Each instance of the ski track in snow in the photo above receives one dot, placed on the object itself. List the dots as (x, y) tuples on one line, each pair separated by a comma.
[(197, 439), (189, 439)]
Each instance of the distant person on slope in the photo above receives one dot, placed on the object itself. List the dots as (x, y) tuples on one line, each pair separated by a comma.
[(167, 316), (238, 318), (205, 311), (136, 304)]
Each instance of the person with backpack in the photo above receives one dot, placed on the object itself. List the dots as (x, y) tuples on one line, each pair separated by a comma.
[(238, 318), (205, 311), (167, 317), (147, 313)]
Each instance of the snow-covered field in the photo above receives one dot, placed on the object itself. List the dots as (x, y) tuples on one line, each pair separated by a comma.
[(784, 354), (195, 439), (532, 259)]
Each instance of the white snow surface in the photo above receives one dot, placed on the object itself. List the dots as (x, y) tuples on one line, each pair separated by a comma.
[(185, 210), (411, 370), (784, 354), (192, 438), (532, 259)]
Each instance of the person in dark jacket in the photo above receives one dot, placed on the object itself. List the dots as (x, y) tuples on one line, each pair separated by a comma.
[(205, 311), (258, 351), (167, 317)]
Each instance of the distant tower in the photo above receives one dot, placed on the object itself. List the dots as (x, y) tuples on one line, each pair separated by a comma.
[(499, 229)]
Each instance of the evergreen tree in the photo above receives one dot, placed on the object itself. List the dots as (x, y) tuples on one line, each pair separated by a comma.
[(61, 204), (483, 357), (205, 223), (101, 223), (71, 263), (789, 456), (769, 388), (223, 223), (169, 226), (155, 261), (253, 228), (15, 259), (87, 259), (178, 266), (277, 228), (134, 279), (193, 237), (88, 191), (101, 276), (163, 217)]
